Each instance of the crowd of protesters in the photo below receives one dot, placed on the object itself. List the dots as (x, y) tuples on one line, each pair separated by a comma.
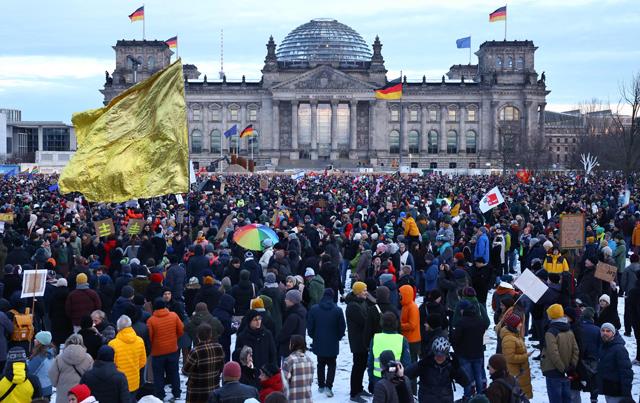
[(407, 268)]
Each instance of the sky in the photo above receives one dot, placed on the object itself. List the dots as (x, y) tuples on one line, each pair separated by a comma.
[(55, 53)]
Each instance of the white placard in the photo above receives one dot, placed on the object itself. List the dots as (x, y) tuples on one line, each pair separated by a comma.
[(179, 199), (531, 285), (33, 283)]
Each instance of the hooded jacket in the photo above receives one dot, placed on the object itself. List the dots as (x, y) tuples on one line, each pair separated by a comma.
[(130, 356), (356, 318), (295, 322), (261, 342), (614, 368), (410, 315), (326, 326), (68, 368), (107, 384), (560, 351), (27, 387), (270, 385)]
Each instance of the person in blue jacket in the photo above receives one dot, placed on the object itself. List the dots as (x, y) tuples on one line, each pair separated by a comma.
[(614, 366), (482, 245)]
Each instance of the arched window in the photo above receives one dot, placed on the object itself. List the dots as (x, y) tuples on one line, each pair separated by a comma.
[(394, 142), (471, 142), (452, 142), (151, 62), (509, 113), (216, 141), (414, 142), (509, 62), (196, 141), (520, 63), (432, 140), (129, 62), (498, 62)]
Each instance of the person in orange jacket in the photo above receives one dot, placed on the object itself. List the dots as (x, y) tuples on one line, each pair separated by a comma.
[(635, 237), (410, 320), (165, 328)]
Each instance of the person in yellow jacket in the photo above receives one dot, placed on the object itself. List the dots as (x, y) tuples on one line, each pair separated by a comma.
[(16, 385), (554, 262), (130, 355), (411, 230)]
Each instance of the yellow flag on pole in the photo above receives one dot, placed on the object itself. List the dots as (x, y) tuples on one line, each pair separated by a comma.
[(135, 147)]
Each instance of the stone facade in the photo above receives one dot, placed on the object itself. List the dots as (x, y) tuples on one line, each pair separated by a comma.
[(327, 110)]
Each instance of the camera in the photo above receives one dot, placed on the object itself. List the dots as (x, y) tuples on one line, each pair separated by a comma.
[(393, 366)]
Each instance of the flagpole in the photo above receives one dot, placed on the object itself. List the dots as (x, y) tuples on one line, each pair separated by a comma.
[(143, 23), (177, 48), (469, 49), (505, 22)]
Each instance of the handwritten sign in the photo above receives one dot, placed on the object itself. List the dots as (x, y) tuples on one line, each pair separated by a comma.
[(104, 228), (33, 283), (264, 184), (572, 231), (6, 217), (606, 272), (135, 226), (531, 285)]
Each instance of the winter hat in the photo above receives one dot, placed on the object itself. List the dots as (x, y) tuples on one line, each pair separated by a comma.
[(606, 325), (383, 294), (257, 303), (105, 353), (459, 256), (607, 251), (267, 243), (459, 274), (434, 295), (126, 269), (386, 357), (498, 362), (231, 370), (193, 281), (127, 291), (62, 282), (328, 292), (606, 298), (207, 280), (156, 278), (469, 292), (159, 303), (588, 313), (43, 337), (293, 296), (309, 272), (507, 278), (80, 391), (572, 313), (464, 305), (384, 278), (81, 278), (248, 255), (479, 398), (512, 321), (358, 287), (547, 245), (244, 274), (270, 369), (555, 311), (504, 284), (270, 278)]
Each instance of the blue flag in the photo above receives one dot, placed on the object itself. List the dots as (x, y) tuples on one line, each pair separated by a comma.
[(232, 131), (53, 187), (463, 43)]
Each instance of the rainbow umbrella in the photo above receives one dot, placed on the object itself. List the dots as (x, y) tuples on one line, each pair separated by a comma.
[(251, 236)]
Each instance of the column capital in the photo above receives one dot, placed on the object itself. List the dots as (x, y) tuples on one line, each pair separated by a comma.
[(294, 102), (313, 102), (335, 102)]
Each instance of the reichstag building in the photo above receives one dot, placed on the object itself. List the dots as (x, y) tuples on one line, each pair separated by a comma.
[(315, 103)]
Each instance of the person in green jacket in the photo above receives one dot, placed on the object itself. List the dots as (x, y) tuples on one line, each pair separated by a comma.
[(314, 288), (620, 255)]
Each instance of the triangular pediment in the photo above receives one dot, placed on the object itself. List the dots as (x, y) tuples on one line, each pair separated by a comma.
[(324, 78)]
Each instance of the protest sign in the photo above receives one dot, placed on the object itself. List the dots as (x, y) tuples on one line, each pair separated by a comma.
[(227, 223), (531, 285), (135, 226), (264, 184), (6, 217), (606, 272), (572, 231), (179, 199), (104, 228), (33, 283)]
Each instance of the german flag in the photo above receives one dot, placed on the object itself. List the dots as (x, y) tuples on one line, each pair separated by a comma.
[(248, 131), (498, 15), (137, 15), (172, 42), (393, 90)]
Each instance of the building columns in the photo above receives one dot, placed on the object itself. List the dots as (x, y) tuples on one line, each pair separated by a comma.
[(224, 142), (462, 137), (424, 145), (334, 154), (495, 126), (442, 140), (353, 129), (294, 154), (404, 136), (243, 143), (276, 126), (314, 129)]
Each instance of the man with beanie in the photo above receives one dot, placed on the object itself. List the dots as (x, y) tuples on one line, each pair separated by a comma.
[(559, 356), (16, 385), (165, 328), (374, 313), (326, 327), (295, 321), (232, 390), (502, 386), (81, 301), (261, 341), (107, 383), (313, 289), (387, 339), (614, 374), (130, 353), (356, 314)]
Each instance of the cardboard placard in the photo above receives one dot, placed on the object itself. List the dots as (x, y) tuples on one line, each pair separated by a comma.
[(225, 224), (33, 283), (135, 226), (531, 285), (180, 217), (104, 228), (572, 231), (6, 217), (222, 186), (179, 199), (264, 184), (606, 272), (322, 203)]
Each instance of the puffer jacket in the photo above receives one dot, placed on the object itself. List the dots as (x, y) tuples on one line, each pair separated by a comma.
[(410, 315), (314, 289), (515, 352), (410, 227), (326, 326), (68, 368), (130, 355), (27, 387), (165, 328), (560, 351), (614, 369), (270, 385)]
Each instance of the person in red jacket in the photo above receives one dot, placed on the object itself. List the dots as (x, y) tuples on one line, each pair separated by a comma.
[(270, 381), (81, 301), (165, 328)]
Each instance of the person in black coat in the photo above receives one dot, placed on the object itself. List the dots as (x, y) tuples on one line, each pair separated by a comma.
[(90, 336), (18, 255), (259, 339), (356, 317), (468, 342), (330, 274), (209, 293), (615, 375), (374, 313), (243, 293), (254, 269), (295, 321), (12, 281), (272, 291), (232, 390), (224, 313), (61, 326), (197, 263), (107, 384), (608, 310)]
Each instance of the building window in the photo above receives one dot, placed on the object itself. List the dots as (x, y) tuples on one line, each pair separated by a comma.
[(471, 142), (216, 141), (196, 142), (452, 114), (566, 140), (509, 62), (395, 114), (304, 125), (394, 142), (414, 142), (344, 113), (453, 165), (550, 140), (196, 114), (432, 141), (433, 165), (433, 115), (558, 149), (472, 114), (234, 114), (413, 115), (253, 114), (55, 139), (557, 157), (520, 63), (452, 142), (472, 165), (216, 114), (130, 60), (498, 62), (151, 63), (509, 114), (573, 140)]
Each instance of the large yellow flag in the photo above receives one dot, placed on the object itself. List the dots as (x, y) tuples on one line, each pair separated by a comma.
[(135, 147)]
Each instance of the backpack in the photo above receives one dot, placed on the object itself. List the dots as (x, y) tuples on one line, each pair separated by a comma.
[(517, 394), (22, 325)]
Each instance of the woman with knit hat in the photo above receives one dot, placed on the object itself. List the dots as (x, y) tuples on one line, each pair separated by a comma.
[(41, 359), (515, 352), (501, 389)]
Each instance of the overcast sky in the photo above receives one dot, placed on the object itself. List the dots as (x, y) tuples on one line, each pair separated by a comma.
[(55, 53)]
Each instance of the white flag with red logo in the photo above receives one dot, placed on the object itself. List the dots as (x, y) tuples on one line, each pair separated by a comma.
[(492, 199)]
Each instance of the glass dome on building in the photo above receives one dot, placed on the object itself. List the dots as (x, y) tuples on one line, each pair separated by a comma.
[(323, 40)]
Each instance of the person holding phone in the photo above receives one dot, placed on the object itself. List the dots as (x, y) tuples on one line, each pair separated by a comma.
[(393, 387)]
